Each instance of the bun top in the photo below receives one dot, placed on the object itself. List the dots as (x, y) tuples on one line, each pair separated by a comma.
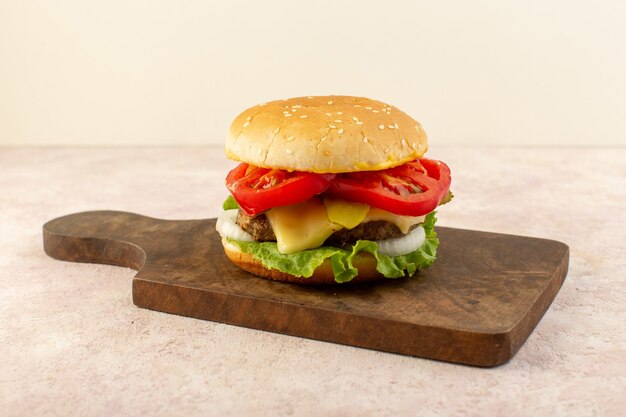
[(325, 134)]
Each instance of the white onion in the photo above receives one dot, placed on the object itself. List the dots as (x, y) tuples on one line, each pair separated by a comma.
[(403, 245), (227, 227)]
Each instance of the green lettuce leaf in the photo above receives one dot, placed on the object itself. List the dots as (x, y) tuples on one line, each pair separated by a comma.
[(302, 264), (230, 203)]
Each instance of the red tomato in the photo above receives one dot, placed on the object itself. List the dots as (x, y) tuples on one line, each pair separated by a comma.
[(259, 189), (412, 189)]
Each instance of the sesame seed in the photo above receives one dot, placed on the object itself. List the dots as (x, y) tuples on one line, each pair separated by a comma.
[(356, 119), (326, 153), (386, 150), (289, 151), (303, 116), (368, 108), (294, 110), (309, 97), (330, 102), (396, 126), (329, 114), (297, 106), (404, 142), (332, 126), (246, 124), (276, 130), (359, 123), (288, 114), (285, 112), (339, 112), (248, 119), (340, 131), (375, 111), (290, 138), (414, 145), (338, 121), (381, 127), (357, 105), (390, 126), (323, 139), (365, 140), (388, 113)]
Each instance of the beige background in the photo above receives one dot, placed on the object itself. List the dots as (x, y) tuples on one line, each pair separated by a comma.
[(144, 72)]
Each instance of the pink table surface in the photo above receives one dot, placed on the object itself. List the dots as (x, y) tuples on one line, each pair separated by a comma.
[(73, 343)]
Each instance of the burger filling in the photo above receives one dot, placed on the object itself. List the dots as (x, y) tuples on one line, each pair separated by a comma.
[(261, 230), (311, 224), (294, 221), (395, 257)]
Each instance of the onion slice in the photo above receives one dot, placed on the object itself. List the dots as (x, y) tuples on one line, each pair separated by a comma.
[(228, 228), (403, 245)]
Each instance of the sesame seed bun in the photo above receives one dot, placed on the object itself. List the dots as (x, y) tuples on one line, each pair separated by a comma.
[(325, 134), (323, 275)]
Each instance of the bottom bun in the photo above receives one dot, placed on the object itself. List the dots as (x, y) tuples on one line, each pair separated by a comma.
[(323, 275)]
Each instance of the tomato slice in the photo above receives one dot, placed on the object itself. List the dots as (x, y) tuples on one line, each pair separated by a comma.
[(412, 189), (259, 189)]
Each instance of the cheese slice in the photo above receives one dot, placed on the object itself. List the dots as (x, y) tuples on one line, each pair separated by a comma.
[(350, 215), (301, 226), (403, 223), (307, 225), (345, 213)]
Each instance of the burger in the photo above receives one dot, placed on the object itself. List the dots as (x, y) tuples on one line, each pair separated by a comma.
[(330, 189)]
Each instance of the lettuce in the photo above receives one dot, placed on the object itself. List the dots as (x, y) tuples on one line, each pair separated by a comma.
[(230, 203), (302, 264)]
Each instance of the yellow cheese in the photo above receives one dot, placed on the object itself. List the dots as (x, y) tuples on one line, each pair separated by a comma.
[(301, 226), (345, 213), (404, 223), (307, 225)]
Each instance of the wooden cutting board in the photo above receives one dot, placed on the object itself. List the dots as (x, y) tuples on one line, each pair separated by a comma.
[(476, 305)]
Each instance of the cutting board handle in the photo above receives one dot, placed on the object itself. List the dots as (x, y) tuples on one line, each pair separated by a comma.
[(105, 237)]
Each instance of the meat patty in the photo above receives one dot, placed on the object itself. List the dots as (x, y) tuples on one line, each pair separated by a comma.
[(260, 229), (374, 230)]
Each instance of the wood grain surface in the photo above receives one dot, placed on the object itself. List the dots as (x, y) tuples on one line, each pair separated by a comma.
[(476, 305)]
